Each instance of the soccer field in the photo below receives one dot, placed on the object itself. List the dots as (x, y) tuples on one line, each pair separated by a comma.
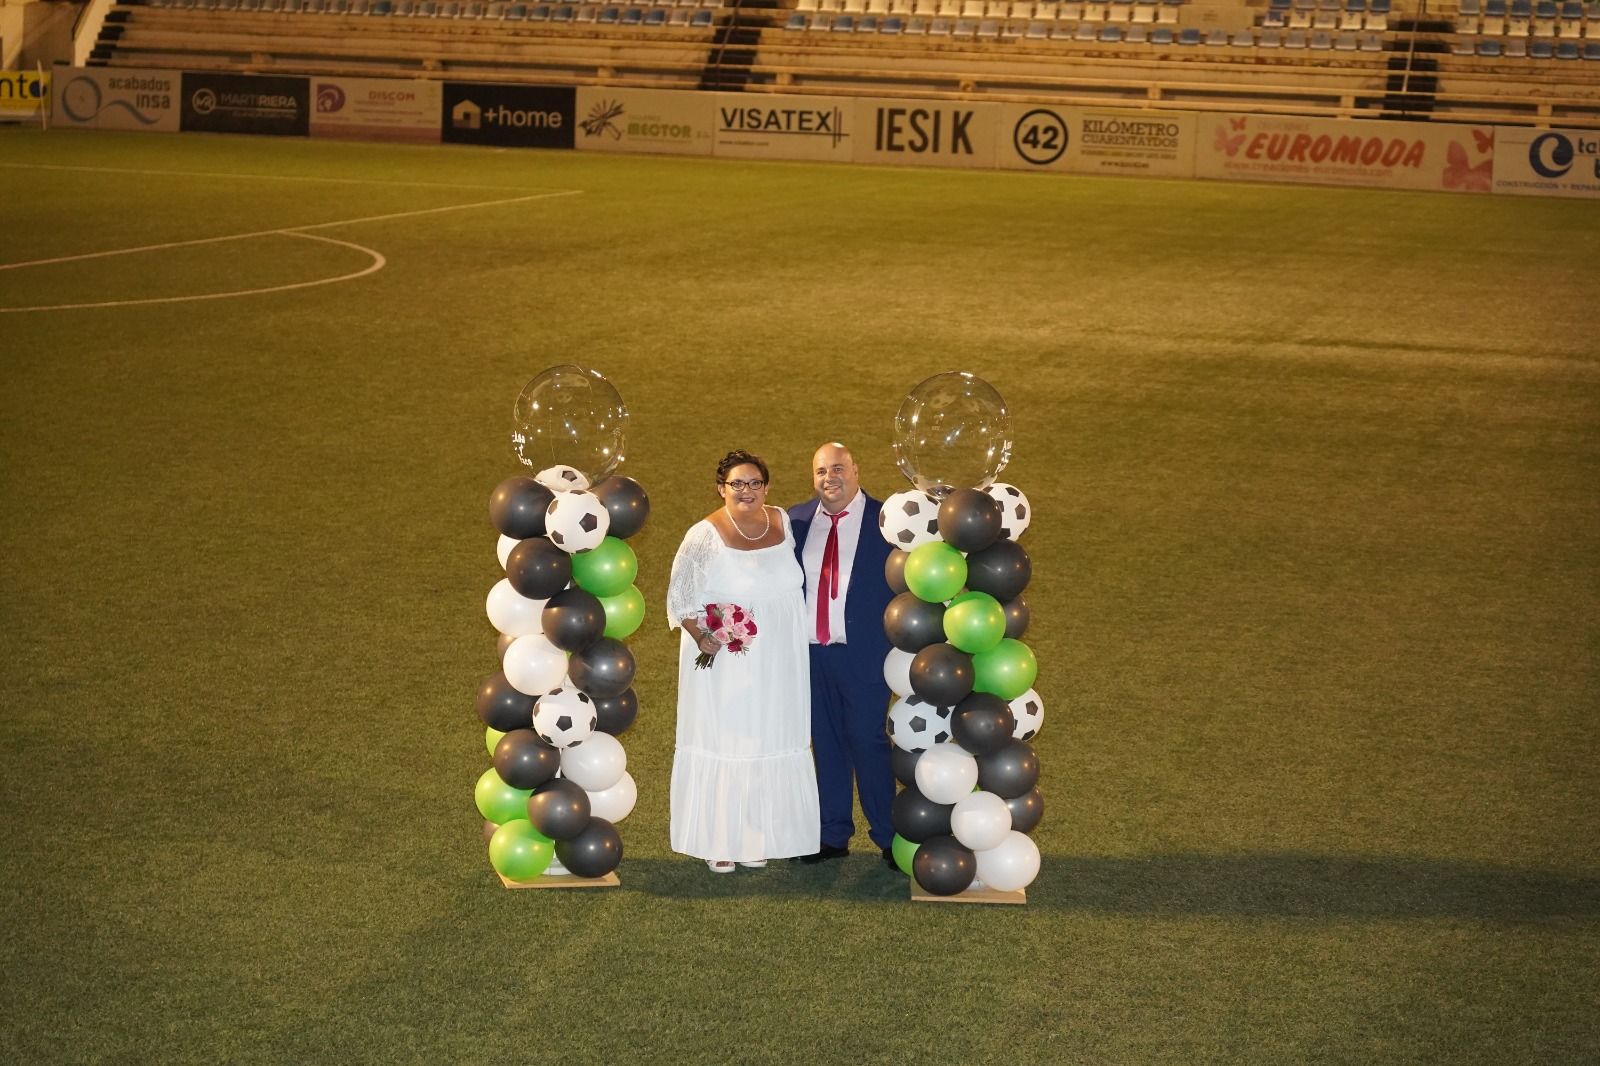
[(1316, 602)]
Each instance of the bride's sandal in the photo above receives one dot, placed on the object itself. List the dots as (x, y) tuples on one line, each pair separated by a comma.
[(719, 867)]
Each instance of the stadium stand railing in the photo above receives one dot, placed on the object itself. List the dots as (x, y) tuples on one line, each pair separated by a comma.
[(1519, 61)]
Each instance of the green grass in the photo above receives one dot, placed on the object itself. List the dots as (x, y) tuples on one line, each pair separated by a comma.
[(1316, 602)]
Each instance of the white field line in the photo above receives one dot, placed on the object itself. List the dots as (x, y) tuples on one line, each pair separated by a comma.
[(249, 177), (377, 264), (286, 229)]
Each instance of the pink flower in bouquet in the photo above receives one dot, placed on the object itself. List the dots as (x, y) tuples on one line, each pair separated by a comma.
[(729, 625)]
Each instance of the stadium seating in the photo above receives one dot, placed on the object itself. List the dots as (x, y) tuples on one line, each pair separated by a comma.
[(1301, 56)]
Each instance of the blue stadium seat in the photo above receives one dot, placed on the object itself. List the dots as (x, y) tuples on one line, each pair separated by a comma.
[(700, 20), (1567, 50), (842, 24), (563, 13), (382, 7), (797, 21), (1541, 50), (517, 12), (1189, 35), (989, 29), (892, 24), (1110, 34), (1591, 51), (1161, 35), (633, 16), (1489, 49), (657, 17), (609, 15), (867, 24)]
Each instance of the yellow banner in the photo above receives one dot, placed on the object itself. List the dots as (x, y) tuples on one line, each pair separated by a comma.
[(23, 92)]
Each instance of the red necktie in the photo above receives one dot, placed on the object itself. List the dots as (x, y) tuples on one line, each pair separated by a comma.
[(828, 580)]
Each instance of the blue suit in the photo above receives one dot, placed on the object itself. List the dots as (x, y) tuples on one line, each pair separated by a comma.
[(849, 697)]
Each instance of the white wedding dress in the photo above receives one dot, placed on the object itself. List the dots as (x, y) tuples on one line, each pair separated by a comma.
[(744, 787)]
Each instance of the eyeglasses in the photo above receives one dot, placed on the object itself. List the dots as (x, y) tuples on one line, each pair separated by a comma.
[(740, 486)]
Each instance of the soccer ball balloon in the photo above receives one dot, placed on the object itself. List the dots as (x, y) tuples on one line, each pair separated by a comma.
[(917, 725), (909, 519), (560, 478), (576, 521), (1028, 710), (564, 717), (1015, 512)]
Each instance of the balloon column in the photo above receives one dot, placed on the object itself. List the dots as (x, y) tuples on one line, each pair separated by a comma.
[(965, 707), (552, 713)]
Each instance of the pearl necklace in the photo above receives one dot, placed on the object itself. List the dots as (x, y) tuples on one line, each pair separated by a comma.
[(764, 529)]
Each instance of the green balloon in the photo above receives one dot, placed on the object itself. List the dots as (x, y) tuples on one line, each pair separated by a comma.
[(491, 737), (624, 612), (519, 852), (904, 851), (935, 572), (1007, 670), (498, 801), (974, 622), (606, 569)]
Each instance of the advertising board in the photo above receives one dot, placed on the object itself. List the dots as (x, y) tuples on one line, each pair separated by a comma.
[(376, 109), (245, 103), (644, 120)]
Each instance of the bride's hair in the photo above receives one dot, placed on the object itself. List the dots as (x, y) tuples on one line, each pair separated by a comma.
[(740, 457)]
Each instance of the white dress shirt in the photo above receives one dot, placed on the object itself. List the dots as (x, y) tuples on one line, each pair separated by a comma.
[(816, 544)]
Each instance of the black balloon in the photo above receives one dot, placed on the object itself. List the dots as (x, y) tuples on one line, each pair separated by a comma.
[(1026, 810), (969, 520), (502, 707), (594, 852), (573, 619), (502, 642), (616, 713), (602, 670), (904, 764), (944, 867), (894, 570), (912, 624), (626, 500), (917, 818), (559, 809), (942, 674), (524, 761), (538, 569), (517, 507), (1009, 771), (982, 723), (1017, 617), (1002, 570)]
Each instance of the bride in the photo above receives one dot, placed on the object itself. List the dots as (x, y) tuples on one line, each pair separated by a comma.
[(744, 787)]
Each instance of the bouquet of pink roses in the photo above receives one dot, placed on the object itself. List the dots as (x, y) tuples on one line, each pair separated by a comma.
[(729, 625)]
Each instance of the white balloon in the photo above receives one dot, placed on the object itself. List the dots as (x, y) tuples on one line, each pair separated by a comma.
[(980, 820), (614, 803), (596, 764), (909, 519), (533, 665), (1015, 511), (562, 478), (946, 773), (513, 613), (1010, 865), (897, 671), (502, 550)]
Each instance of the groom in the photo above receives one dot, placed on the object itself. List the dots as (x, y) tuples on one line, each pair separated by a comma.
[(842, 553)]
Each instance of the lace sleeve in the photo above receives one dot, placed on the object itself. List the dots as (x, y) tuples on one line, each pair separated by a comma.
[(685, 590)]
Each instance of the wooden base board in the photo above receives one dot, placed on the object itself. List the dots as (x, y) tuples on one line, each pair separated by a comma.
[(610, 880), (971, 895)]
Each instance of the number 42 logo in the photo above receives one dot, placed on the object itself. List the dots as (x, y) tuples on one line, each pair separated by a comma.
[(1040, 137)]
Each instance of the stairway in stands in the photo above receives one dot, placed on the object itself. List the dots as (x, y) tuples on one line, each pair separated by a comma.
[(1412, 66), (733, 49), (110, 34)]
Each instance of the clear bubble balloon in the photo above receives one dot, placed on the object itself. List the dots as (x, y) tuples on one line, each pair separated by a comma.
[(952, 432), (568, 416)]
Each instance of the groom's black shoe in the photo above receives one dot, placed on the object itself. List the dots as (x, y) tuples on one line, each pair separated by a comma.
[(888, 860), (828, 852)]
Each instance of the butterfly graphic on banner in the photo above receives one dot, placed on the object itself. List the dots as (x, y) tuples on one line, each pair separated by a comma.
[(1459, 170)]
